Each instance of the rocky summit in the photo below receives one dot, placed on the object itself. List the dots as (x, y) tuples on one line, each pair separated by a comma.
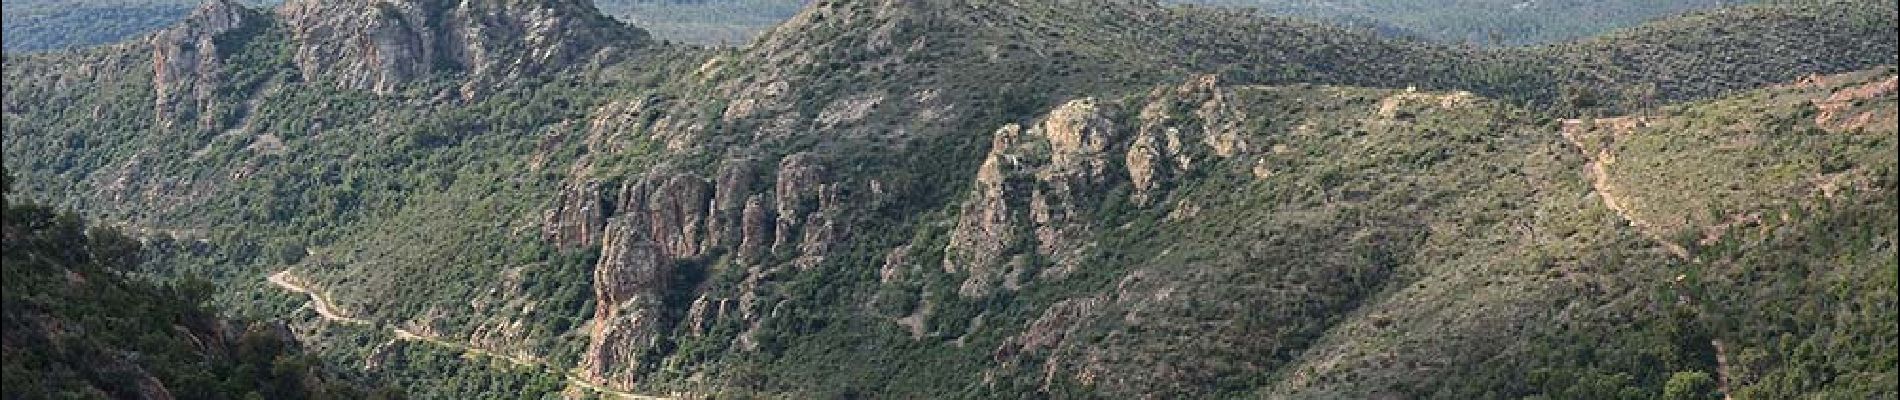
[(958, 199)]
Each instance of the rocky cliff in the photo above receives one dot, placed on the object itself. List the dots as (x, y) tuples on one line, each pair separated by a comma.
[(380, 45), (188, 61), (662, 222)]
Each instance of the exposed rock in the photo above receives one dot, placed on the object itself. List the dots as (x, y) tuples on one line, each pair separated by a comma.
[(1046, 333), (1078, 136), (1399, 106), (507, 321), (849, 110), (1159, 153), (1145, 161), (578, 216), (609, 131), (379, 45), (821, 231), (1835, 112), (800, 183), (629, 288), (704, 311), (187, 61), (1033, 179), (150, 388), (756, 229), (988, 222), (731, 188), (896, 265), (374, 46), (673, 208)]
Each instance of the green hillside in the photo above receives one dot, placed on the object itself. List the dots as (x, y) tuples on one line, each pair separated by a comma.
[(81, 323), (1005, 198)]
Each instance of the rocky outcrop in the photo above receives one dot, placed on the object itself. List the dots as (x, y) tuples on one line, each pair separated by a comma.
[(380, 45), (704, 312), (1047, 334), (630, 286), (1163, 147), (800, 185), (188, 59), (660, 219), (578, 216), (732, 188), (988, 224), (756, 229), (1032, 178), (672, 207)]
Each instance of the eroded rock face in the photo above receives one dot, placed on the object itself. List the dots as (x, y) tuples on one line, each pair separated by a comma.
[(1078, 135), (756, 229), (630, 285), (187, 61), (1047, 333), (1163, 148), (731, 190), (988, 223), (797, 194), (1032, 179), (578, 216), (379, 45), (661, 218), (672, 207), (366, 45)]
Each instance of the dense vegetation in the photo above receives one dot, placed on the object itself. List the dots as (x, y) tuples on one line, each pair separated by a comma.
[(1340, 214), (81, 323), (48, 25)]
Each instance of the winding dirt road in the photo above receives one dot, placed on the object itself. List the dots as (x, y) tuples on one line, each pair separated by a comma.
[(321, 303), (318, 300)]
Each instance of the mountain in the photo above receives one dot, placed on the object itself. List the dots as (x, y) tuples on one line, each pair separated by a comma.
[(33, 25), (713, 22), (1508, 22), (39, 25), (1006, 198)]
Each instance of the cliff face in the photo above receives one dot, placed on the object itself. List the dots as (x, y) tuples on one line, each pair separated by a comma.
[(1033, 188), (188, 61), (379, 45), (1026, 197), (665, 221), (630, 284)]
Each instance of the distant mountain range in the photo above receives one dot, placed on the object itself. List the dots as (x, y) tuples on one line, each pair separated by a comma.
[(53, 24)]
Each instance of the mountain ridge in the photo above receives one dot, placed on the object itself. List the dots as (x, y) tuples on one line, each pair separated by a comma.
[(986, 190)]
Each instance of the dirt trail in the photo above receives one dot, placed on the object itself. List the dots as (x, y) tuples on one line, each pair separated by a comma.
[(1600, 181), (1721, 368), (318, 300), (321, 303), (405, 334)]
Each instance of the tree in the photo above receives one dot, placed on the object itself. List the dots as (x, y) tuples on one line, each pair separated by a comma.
[(1690, 385)]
